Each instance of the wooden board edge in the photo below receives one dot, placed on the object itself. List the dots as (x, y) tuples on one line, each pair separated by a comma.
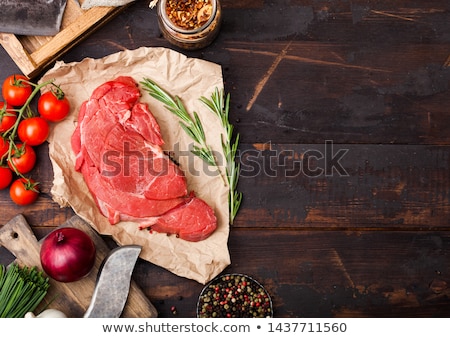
[(88, 21), (20, 56)]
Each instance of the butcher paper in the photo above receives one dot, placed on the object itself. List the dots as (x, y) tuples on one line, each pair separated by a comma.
[(188, 78)]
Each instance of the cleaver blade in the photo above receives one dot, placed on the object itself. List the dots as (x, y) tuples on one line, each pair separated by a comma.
[(31, 17), (113, 283)]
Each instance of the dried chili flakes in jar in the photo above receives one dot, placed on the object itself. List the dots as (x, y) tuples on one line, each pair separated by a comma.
[(189, 24), (189, 14)]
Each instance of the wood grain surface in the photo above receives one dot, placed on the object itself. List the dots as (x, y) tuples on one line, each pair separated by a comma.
[(343, 109)]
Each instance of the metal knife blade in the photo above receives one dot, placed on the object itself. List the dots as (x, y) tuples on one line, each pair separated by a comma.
[(31, 17), (113, 283)]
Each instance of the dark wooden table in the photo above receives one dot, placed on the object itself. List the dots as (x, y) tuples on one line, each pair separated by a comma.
[(343, 108)]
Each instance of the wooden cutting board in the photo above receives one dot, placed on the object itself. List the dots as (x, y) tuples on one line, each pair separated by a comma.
[(71, 298), (33, 53)]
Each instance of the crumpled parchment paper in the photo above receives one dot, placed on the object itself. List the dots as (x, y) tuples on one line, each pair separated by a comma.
[(188, 78)]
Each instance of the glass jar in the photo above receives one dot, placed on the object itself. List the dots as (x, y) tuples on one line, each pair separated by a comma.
[(189, 24)]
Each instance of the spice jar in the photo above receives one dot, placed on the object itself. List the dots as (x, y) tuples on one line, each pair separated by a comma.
[(189, 24)]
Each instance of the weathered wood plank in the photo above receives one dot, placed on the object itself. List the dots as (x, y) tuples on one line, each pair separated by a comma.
[(307, 186), (328, 274), (346, 186), (305, 92)]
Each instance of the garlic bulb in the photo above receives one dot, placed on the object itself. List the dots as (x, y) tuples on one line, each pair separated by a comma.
[(49, 313)]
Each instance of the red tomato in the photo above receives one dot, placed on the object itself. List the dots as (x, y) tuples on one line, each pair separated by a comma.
[(6, 177), (23, 158), (53, 106), (4, 147), (15, 90), (7, 117), (33, 131), (24, 191)]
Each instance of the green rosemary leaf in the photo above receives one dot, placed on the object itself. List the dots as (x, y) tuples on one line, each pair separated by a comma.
[(209, 104), (181, 111), (205, 154), (199, 126), (234, 146), (226, 109), (219, 105), (189, 131), (201, 154)]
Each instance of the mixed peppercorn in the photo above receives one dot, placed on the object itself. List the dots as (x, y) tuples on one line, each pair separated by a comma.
[(189, 14), (234, 296)]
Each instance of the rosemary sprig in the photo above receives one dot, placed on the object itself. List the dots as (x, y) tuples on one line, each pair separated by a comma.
[(191, 125), (219, 105), (21, 290)]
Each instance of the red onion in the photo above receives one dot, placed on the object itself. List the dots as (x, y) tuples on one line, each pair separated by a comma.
[(67, 254)]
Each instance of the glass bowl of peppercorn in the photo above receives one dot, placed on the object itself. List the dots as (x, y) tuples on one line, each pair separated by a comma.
[(234, 296)]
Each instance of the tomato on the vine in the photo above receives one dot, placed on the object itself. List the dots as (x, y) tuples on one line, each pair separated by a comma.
[(6, 177), (16, 90), (7, 117), (53, 105), (24, 191), (23, 158), (33, 131)]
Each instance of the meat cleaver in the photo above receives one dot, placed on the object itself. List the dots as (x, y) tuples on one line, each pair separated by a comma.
[(113, 283), (31, 17)]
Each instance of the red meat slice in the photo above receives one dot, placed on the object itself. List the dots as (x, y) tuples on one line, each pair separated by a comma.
[(192, 221), (117, 144)]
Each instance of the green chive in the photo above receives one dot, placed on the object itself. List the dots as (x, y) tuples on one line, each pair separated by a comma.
[(21, 290)]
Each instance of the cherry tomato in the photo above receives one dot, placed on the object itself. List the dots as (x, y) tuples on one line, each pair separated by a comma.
[(33, 131), (24, 191), (4, 147), (16, 90), (53, 106), (6, 177), (23, 158), (7, 117)]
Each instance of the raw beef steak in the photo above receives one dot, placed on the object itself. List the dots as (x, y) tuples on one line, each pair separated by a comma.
[(195, 214), (117, 143)]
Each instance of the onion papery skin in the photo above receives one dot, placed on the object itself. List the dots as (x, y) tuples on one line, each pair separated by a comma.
[(67, 254)]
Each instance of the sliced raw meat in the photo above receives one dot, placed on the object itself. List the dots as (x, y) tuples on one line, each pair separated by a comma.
[(192, 221), (117, 144)]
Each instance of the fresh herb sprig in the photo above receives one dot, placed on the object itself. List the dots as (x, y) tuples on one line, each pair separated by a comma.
[(192, 126), (219, 105), (21, 290)]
